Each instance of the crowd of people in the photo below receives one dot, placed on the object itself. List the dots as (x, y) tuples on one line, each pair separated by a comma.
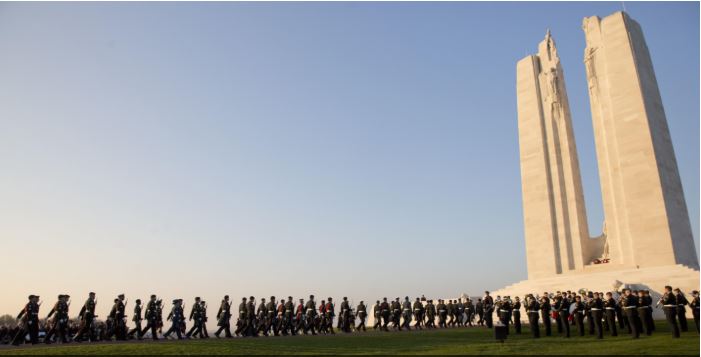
[(593, 313)]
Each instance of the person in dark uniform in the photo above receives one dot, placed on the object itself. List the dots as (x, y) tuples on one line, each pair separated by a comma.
[(630, 309), (345, 316), (596, 307), (176, 316), (196, 314), (377, 314), (450, 307), (418, 310), (242, 319), (562, 306), (396, 313), (442, 314), (224, 318), (516, 313), (545, 313), (261, 315), (289, 316), (137, 320), (310, 313), (644, 313), (681, 310), (87, 315), (271, 319), (488, 306), (151, 316), (406, 313), (430, 314), (59, 325), (120, 327), (579, 314), (29, 318), (694, 305), (532, 311), (460, 312), (622, 318), (610, 311), (479, 310), (385, 310), (504, 314), (361, 314), (469, 312), (669, 306), (251, 328)]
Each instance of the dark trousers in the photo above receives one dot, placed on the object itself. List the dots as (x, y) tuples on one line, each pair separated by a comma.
[(681, 315), (621, 318), (85, 327), (579, 321), (151, 324), (632, 317), (611, 321), (196, 329), (174, 328), (385, 320), (564, 315), (226, 327), (488, 319), (533, 323), (596, 316), (136, 330), (517, 321), (695, 311), (377, 322), (646, 319), (546, 322), (671, 314), (504, 318), (590, 322)]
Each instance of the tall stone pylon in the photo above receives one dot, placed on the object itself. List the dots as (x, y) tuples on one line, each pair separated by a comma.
[(646, 219), (553, 201), (647, 222)]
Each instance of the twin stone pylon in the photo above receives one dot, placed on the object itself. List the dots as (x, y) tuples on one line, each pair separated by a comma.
[(646, 219)]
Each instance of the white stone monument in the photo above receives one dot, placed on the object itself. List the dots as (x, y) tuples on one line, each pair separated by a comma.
[(647, 240)]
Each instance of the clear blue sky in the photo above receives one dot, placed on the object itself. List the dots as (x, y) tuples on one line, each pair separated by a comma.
[(360, 149)]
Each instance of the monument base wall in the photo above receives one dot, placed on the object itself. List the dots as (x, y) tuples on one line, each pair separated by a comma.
[(603, 280)]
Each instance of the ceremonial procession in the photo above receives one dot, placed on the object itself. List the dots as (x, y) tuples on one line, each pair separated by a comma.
[(562, 313)]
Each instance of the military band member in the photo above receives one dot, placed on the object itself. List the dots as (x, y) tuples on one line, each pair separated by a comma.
[(694, 304), (137, 320), (488, 306), (87, 315), (396, 313), (442, 314), (361, 314), (596, 307), (504, 312), (450, 307), (669, 306), (120, 327), (630, 309), (562, 306), (516, 313), (271, 319), (610, 308), (460, 312), (469, 312), (545, 313), (59, 325), (330, 313), (479, 310), (345, 317), (176, 316), (532, 310), (681, 310), (251, 328), (299, 317), (151, 316), (645, 313), (579, 314)]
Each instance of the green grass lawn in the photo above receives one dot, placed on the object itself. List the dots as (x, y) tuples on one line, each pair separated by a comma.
[(450, 341)]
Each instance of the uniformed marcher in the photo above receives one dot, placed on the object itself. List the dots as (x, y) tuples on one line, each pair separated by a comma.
[(562, 306), (385, 311), (120, 327), (430, 314), (406, 313), (545, 313), (488, 306), (644, 313), (579, 313), (224, 318), (596, 306), (361, 314), (251, 328), (203, 310), (271, 319), (504, 312), (669, 306), (310, 313), (532, 310), (151, 316), (516, 313), (288, 326), (442, 314), (261, 315), (450, 307), (610, 311), (460, 312), (29, 321), (136, 318), (176, 316), (59, 325), (241, 322), (87, 315), (694, 304), (196, 314), (396, 313), (377, 315), (345, 317), (630, 309), (681, 310), (418, 310)]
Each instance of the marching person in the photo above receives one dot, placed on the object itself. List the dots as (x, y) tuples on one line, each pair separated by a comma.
[(137, 320), (87, 315), (669, 306), (152, 318), (532, 310), (361, 313)]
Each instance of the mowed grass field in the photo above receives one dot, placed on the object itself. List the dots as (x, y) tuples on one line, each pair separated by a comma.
[(448, 341)]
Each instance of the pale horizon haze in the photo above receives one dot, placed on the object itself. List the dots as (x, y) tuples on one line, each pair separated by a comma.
[(336, 149)]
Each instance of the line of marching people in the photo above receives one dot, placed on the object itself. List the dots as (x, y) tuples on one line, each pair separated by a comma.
[(592, 312)]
